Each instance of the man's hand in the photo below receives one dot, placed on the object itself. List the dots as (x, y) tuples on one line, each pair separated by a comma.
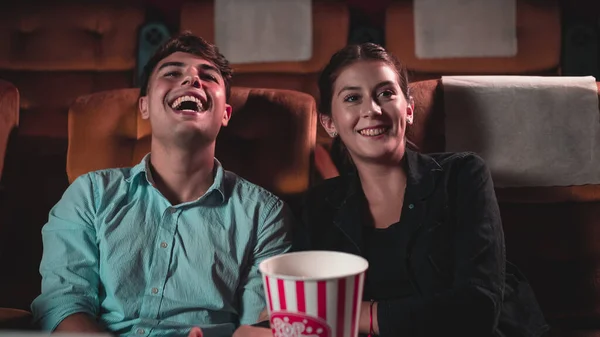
[(264, 315), (252, 331), (196, 332)]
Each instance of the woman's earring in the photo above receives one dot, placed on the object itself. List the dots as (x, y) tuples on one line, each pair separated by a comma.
[(333, 134)]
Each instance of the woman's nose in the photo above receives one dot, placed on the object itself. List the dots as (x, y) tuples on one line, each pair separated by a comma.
[(372, 109)]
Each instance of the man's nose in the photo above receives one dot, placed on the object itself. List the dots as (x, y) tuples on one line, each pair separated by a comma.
[(193, 81)]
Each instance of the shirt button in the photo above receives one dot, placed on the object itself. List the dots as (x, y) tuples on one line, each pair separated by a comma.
[(163, 245), (155, 290), (172, 210), (141, 331), (411, 206)]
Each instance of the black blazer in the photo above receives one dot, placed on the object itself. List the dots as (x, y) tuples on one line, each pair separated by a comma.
[(463, 285)]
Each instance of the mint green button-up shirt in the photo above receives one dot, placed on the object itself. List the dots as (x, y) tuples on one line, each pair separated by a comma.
[(116, 249)]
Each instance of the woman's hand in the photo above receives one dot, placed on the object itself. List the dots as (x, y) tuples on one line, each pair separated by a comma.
[(252, 331), (364, 319)]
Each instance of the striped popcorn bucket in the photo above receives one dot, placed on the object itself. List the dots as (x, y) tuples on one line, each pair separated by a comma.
[(314, 293)]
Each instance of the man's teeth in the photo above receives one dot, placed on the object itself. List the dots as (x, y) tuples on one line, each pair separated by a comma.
[(182, 99), (372, 132)]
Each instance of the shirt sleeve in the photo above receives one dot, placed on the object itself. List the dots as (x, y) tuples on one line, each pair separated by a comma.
[(471, 307), (273, 238), (69, 265)]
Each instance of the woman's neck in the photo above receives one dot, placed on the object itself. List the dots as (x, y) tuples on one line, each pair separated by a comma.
[(380, 182)]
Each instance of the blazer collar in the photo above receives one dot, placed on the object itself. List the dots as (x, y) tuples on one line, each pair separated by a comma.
[(422, 171)]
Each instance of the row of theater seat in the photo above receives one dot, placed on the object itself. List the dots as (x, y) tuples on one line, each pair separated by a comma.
[(551, 232), (57, 53)]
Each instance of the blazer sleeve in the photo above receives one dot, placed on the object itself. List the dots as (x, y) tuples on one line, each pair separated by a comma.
[(471, 307)]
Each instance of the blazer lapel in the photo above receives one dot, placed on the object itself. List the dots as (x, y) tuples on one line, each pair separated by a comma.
[(422, 171), (349, 203)]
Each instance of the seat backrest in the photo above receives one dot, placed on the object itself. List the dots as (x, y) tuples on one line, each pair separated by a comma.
[(428, 133), (57, 52), (269, 141), (538, 36), (331, 26), (551, 232), (331, 22), (53, 52), (9, 116)]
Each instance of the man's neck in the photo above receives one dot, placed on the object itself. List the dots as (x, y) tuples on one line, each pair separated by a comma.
[(180, 175)]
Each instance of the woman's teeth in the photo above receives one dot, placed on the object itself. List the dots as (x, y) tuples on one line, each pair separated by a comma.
[(372, 132)]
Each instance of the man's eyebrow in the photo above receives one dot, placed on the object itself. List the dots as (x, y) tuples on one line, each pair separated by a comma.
[(171, 64), (208, 67), (204, 66)]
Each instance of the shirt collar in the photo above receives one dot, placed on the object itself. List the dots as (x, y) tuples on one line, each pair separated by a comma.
[(218, 184), (140, 168)]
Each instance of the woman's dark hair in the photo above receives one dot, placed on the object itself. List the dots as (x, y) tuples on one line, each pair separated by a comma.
[(343, 58), (188, 43)]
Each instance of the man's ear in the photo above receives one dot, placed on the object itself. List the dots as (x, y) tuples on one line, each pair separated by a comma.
[(410, 111), (328, 125), (143, 107), (227, 115)]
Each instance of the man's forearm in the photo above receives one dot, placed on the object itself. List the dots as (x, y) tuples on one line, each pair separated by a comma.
[(79, 322)]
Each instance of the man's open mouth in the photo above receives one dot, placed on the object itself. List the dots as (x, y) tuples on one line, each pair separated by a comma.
[(188, 103)]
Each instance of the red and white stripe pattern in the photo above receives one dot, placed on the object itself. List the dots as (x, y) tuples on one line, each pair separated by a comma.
[(314, 308)]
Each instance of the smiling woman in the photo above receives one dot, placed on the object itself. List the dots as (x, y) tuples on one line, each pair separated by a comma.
[(429, 225), (369, 89)]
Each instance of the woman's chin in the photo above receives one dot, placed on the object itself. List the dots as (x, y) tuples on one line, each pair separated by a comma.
[(380, 157)]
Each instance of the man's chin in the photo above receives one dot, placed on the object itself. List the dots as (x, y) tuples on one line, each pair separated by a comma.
[(193, 137)]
